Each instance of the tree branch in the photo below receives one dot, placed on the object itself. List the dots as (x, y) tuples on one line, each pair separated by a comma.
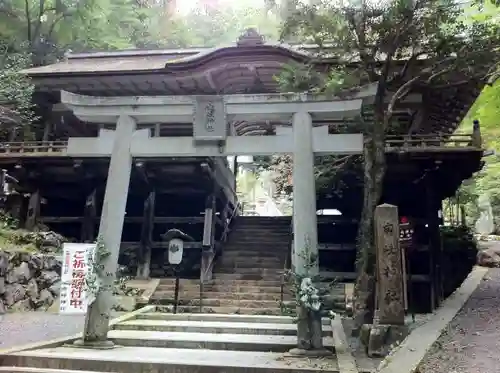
[(41, 12), (360, 40), (28, 21), (400, 93)]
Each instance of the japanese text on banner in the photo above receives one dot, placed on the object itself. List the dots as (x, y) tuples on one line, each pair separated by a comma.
[(76, 265)]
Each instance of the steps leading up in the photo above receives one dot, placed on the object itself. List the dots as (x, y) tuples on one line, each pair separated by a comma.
[(256, 251), (212, 327), (248, 276), (185, 343)]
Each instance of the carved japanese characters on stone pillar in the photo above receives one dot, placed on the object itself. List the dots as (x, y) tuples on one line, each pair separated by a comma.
[(389, 266)]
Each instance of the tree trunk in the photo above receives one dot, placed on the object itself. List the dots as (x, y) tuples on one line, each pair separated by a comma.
[(374, 171)]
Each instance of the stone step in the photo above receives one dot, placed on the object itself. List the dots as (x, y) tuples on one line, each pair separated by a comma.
[(234, 297), (224, 288), (266, 219), (274, 230), (245, 255), (40, 370), (238, 303), (261, 234), (259, 271), (225, 282), (225, 276), (212, 327), (182, 281), (258, 241), (255, 262), (235, 280), (234, 310), (221, 318), (234, 257), (256, 251), (228, 342), (168, 360), (246, 296)]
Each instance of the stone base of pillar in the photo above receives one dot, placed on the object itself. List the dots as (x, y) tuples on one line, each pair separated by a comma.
[(300, 352), (93, 345), (380, 339)]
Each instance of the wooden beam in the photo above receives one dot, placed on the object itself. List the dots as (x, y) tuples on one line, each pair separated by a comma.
[(129, 219), (89, 217), (145, 247), (208, 250), (33, 214)]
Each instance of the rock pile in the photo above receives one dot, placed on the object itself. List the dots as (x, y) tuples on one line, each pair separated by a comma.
[(28, 281), (488, 254)]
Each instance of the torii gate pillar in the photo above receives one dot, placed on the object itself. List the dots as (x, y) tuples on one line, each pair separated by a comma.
[(305, 230), (110, 233)]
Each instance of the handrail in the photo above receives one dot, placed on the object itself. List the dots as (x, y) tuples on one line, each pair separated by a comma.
[(34, 147), (288, 263), (460, 140), (230, 219)]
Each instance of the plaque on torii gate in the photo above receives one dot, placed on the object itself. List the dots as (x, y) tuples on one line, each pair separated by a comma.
[(208, 119)]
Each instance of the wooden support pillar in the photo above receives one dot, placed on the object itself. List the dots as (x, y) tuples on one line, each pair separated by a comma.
[(435, 249), (145, 247), (224, 218), (235, 171), (208, 250), (33, 213), (89, 214), (477, 140), (156, 130), (46, 131), (13, 134)]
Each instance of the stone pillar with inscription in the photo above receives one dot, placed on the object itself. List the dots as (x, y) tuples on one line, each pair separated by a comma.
[(389, 322)]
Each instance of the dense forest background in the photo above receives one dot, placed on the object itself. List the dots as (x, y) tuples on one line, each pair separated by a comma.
[(38, 32)]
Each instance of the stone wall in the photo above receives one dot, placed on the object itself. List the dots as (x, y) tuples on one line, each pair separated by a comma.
[(28, 281)]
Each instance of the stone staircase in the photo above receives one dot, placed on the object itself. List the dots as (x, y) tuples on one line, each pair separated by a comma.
[(155, 342), (247, 278)]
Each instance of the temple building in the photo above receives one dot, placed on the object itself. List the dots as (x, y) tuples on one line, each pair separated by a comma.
[(180, 179)]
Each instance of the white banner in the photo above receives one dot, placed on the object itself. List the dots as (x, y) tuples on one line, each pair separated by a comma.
[(75, 266)]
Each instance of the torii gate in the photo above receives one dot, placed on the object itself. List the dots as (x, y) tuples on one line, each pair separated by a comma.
[(210, 116)]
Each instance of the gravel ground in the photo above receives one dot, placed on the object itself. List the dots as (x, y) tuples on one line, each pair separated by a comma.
[(18, 329), (471, 343)]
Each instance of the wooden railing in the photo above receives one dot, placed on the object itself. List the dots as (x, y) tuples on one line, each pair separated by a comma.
[(432, 141), (393, 143), (33, 147)]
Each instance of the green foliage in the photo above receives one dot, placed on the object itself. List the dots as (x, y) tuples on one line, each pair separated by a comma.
[(216, 27), (7, 221), (16, 108), (487, 110), (459, 252), (369, 42)]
